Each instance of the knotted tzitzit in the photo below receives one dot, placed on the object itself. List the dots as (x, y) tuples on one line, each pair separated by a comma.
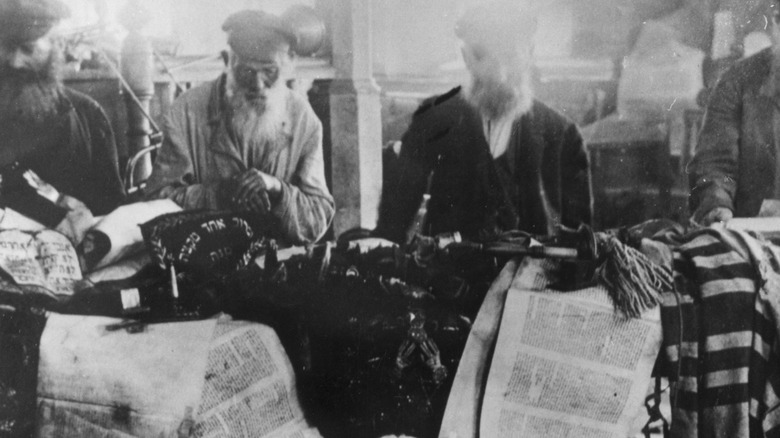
[(633, 281)]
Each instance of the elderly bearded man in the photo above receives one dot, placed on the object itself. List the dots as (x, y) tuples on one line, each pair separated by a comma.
[(246, 141), (491, 157), (61, 135)]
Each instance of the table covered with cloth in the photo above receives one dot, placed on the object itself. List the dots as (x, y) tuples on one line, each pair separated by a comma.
[(209, 378)]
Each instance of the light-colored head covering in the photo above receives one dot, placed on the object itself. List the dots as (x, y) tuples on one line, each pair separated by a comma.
[(499, 24)]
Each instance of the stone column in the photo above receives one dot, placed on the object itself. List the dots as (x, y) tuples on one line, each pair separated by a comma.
[(355, 119)]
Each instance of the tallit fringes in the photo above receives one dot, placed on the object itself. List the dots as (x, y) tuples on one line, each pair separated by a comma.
[(633, 281)]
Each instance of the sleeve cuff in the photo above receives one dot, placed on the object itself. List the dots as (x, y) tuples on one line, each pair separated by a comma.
[(711, 197), (279, 205)]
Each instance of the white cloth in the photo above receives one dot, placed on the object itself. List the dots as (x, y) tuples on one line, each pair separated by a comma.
[(497, 133), (122, 227)]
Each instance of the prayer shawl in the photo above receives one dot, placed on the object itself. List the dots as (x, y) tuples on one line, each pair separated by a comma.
[(720, 336)]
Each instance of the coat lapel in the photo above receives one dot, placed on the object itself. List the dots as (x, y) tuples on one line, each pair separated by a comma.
[(529, 159)]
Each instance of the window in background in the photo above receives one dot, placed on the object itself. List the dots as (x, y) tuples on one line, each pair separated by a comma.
[(109, 12), (188, 28), (417, 39)]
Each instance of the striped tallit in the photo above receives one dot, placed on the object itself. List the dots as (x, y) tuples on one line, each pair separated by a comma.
[(720, 337)]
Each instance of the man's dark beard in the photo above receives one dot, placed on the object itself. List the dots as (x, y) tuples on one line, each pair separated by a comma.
[(30, 97)]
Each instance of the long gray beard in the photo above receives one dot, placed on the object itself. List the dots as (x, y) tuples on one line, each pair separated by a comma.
[(495, 100), (256, 122), (29, 97)]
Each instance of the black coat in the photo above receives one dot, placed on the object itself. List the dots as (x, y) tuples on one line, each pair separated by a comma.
[(736, 163), (543, 179)]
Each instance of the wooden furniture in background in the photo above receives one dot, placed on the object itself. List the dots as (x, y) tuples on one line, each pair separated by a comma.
[(632, 182)]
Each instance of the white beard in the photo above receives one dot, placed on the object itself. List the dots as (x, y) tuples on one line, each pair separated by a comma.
[(258, 121), (510, 96)]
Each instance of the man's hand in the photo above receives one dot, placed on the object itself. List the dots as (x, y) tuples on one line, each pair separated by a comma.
[(254, 190), (717, 214)]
